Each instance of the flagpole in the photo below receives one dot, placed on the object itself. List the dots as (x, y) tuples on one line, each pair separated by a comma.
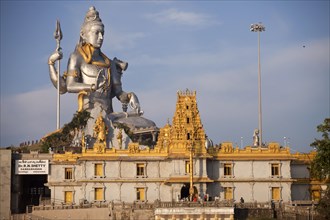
[(58, 37)]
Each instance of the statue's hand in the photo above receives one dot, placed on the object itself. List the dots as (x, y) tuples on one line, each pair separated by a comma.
[(134, 103), (57, 55)]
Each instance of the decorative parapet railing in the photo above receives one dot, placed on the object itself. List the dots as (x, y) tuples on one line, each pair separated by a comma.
[(295, 206), (306, 208), (272, 149), (135, 205), (225, 151)]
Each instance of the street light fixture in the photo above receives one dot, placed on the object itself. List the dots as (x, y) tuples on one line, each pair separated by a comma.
[(191, 170), (259, 28)]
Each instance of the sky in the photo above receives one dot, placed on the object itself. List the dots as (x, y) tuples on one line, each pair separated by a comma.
[(203, 46)]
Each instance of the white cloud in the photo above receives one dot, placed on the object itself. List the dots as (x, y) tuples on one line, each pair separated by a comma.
[(122, 41), (175, 16)]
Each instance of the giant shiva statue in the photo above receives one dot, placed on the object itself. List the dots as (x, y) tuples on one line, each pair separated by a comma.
[(97, 80)]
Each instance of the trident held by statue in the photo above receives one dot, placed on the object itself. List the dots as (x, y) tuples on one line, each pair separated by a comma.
[(58, 37)]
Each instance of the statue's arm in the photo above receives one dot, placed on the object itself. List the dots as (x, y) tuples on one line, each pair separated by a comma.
[(126, 98), (74, 81), (53, 72), (117, 90)]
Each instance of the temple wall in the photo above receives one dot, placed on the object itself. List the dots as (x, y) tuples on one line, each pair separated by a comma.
[(163, 178), (5, 183)]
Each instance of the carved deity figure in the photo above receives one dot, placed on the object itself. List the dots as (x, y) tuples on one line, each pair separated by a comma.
[(120, 138), (77, 135), (100, 130), (96, 78), (256, 138), (100, 134)]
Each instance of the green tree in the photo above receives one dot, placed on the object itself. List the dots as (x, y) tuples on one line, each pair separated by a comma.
[(321, 163), (323, 207), (320, 167), (64, 137)]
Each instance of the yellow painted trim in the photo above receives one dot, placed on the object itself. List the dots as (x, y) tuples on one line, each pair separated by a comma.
[(81, 95), (187, 180)]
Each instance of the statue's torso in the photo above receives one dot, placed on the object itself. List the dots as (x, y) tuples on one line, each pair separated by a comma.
[(93, 74), (99, 76)]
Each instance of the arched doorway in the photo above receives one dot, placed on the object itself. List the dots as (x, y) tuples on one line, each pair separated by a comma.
[(185, 192)]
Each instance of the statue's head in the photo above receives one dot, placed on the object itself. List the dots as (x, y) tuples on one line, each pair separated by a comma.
[(256, 131), (92, 30)]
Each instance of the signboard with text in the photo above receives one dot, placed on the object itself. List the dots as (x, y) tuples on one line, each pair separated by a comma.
[(34, 167)]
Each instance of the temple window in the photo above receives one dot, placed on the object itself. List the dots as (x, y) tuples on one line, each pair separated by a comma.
[(98, 194), (228, 193), (68, 197), (316, 195), (188, 119), (140, 170), (228, 170), (98, 170), (275, 170), (140, 194), (68, 173), (188, 136), (276, 193), (187, 167)]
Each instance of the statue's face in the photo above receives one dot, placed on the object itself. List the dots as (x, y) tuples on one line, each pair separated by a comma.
[(94, 35)]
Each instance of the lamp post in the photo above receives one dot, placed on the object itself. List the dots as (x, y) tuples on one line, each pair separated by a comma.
[(191, 149), (191, 171), (259, 28)]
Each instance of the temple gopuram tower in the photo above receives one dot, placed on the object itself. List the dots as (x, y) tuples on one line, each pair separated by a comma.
[(186, 129)]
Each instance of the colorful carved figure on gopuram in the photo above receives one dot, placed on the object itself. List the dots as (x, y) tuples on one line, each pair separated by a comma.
[(97, 80)]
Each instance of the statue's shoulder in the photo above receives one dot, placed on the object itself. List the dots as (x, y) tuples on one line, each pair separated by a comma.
[(75, 55), (75, 58)]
